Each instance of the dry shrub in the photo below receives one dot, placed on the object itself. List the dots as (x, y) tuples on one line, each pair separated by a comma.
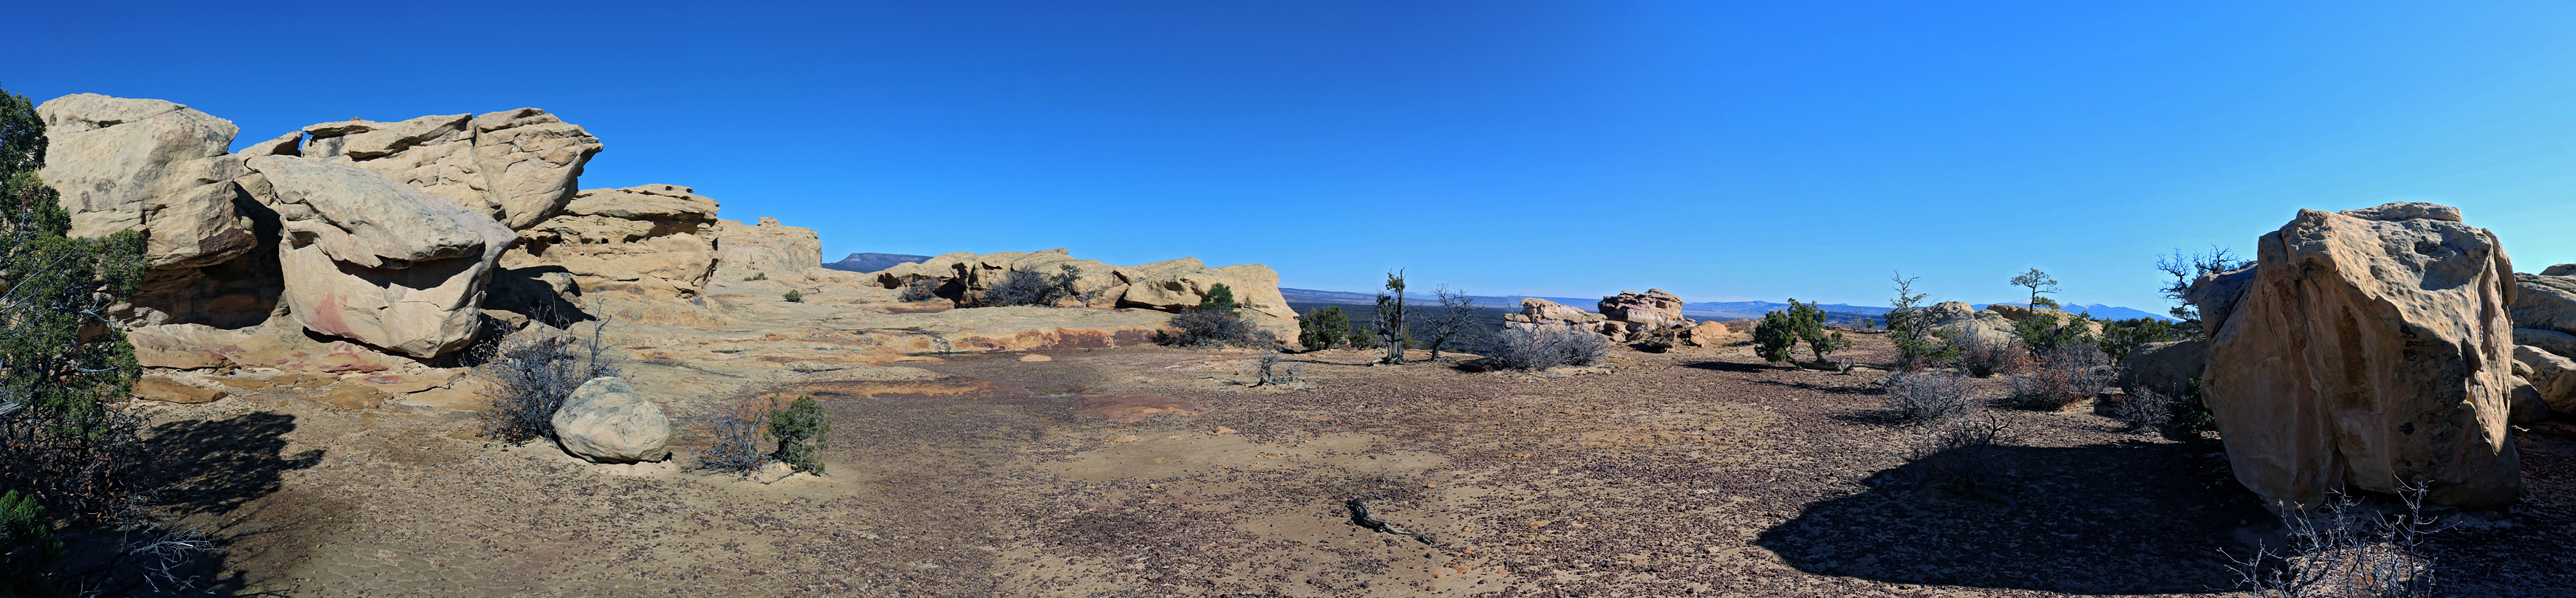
[(530, 373), (1275, 369), (737, 429), (2144, 410), (2344, 550), (1207, 328), (922, 288), (1920, 396), (1963, 455), (1545, 346), (2060, 377), (1983, 355)]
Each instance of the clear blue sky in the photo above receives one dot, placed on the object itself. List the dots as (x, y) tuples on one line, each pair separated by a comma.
[(1719, 150)]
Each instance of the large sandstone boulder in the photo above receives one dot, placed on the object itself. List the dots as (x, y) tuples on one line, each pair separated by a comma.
[(2167, 368), (159, 168), (518, 167), (376, 261), (2552, 375), (659, 240), (1170, 285), (1541, 311), (2553, 341), (1961, 320), (604, 421), (768, 249), (2017, 313), (2370, 349), (1654, 309)]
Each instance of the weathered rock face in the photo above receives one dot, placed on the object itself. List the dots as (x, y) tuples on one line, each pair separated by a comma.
[(2167, 368), (2552, 375), (2560, 343), (1958, 318), (1711, 334), (518, 167), (2017, 313), (160, 168), (1169, 285), (770, 249), (604, 421), (659, 240), (1255, 287), (1541, 311), (373, 260), (1644, 312), (2370, 353), (2544, 301)]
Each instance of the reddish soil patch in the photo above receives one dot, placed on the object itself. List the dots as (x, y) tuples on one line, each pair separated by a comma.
[(1132, 408)]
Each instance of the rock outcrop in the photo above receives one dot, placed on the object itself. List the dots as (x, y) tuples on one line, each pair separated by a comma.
[(2369, 349), (2167, 368), (2552, 375), (2017, 313), (1634, 315), (159, 168), (1961, 320), (518, 167), (1169, 285), (604, 421), (2545, 302), (658, 240), (373, 260), (768, 249)]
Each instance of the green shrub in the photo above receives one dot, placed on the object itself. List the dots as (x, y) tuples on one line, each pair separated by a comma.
[(1219, 298), (757, 276), (1775, 337), (1917, 344), (1391, 329), (802, 432), (1323, 329), (27, 546), (1810, 321), (794, 297), (2120, 338), (2043, 332)]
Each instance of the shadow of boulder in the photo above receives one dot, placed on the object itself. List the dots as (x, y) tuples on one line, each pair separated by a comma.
[(2119, 519), (217, 465)]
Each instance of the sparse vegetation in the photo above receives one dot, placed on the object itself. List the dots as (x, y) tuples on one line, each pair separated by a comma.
[(1926, 395), (793, 296), (1214, 323), (1911, 330), (2144, 410), (1219, 298), (1454, 323), (1028, 287), (2059, 377), (757, 276), (2345, 550), (2039, 283), (1775, 337), (1543, 346), (28, 546), (1391, 331), (1274, 369), (738, 429), (2041, 333), (1810, 321), (2122, 337), (1963, 455), (1984, 355), (802, 433), (1324, 329), (529, 374), (2186, 269), (921, 288)]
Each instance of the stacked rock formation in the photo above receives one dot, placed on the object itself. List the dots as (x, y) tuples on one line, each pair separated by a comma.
[(162, 168), (2371, 349), (516, 166), (659, 240), (1169, 285), (1624, 317), (769, 249)]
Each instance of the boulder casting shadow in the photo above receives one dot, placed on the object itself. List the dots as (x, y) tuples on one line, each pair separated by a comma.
[(2120, 519)]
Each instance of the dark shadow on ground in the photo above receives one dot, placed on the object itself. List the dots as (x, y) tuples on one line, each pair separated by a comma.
[(1729, 366), (214, 466), (2118, 518), (1831, 390), (197, 468)]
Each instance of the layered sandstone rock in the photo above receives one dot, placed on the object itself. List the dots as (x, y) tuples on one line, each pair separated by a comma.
[(1541, 311), (373, 260), (1642, 313), (768, 249), (2552, 375), (2545, 302), (659, 240), (1169, 285), (2368, 349), (159, 168), (1711, 334), (518, 167)]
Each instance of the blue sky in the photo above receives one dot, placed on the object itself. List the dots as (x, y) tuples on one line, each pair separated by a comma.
[(1721, 150)]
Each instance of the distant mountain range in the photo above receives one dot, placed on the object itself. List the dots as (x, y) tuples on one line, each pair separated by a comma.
[(1701, 310), (871, 262)]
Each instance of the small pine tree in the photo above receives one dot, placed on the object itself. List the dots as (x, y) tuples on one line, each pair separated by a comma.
[(802, 432), (2038, 282), (1323, 329), (1219, 298), (1391, 329), (1775, 337), (1809, 321), (795, 297), (27, 546)]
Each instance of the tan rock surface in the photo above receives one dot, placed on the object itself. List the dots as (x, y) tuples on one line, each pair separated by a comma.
[(776, 250), (2552, 375), (1654, 309), (604, 421), (2167, 368), (372, 260), (158, 388), (518, 167), (659, 240), (2370, 353), (161, 168), (2545, 302)]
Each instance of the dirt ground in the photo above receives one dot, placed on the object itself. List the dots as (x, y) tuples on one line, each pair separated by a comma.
[(1698, 472)]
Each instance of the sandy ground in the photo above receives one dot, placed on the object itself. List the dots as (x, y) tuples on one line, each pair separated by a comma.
[(1699, 472)]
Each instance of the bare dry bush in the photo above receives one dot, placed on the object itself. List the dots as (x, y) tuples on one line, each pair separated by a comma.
[(1963, 455), (2144, 410), (737, 429), (1984, 356), (1921, 396), (1275, 369), (529, 374), (1209, 328), (922, 288), (2344, 550), (1545, 346), (2060, 377)]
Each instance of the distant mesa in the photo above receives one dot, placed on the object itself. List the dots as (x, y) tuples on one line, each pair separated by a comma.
[(871, 262)]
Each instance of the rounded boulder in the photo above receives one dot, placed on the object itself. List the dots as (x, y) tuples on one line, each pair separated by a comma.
[(604, 421)]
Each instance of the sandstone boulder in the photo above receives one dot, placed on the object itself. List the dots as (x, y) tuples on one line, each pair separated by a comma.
[(518, 167), (2552, 375), (1711, 334), (2167, 368), (2544, 301), (604, 421), (659, 240), (373, 260), (1541, 311), (1959, 319), (2560, 343), (769, 248), (1655, 309), (2370, 350), (1255, 287), (2216, 295), (2559, 270), (159, 168)]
